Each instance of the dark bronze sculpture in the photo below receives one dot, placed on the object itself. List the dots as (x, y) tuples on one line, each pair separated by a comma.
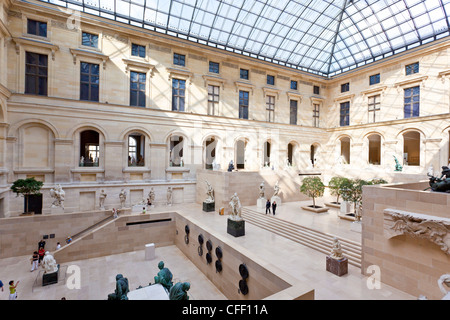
[(164, 277), (398, 166), (122, 289), (179, 291), (441, 184)]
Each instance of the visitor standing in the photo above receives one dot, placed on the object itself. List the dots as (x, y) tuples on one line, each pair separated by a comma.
[(41, 244), (34, 261), (1, 285), (144, 210), (274, 207), (41, 254), (267, 206), (58, 246), (12, 290)]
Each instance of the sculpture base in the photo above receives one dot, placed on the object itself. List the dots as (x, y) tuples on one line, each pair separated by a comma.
[(56, 210), (236, 227), (209, 206), (50, 278), (337, 267), (277, 199), (261, 203)]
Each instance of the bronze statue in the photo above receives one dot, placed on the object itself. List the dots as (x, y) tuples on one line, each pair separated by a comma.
[(398, 166), (164, 276), (440, 184), (122, 289), (179, 291)]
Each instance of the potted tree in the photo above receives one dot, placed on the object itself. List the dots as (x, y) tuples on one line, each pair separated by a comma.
[(335, 186), (30, 189), (314, 188)]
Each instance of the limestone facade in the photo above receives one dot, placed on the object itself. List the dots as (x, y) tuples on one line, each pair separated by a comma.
[(46, 136)]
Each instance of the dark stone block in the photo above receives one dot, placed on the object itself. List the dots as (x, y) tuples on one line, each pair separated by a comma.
[(337, 267), (50, 278), (236, 227), (209, 206)]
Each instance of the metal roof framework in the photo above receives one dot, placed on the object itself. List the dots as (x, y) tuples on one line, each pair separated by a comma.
[(322, 37)]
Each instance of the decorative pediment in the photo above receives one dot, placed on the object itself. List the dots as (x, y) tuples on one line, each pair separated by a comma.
[(316, 100), (271, 91), (208, 79), (140, 66), (244, 86), (180, 73), (294, 96), (374, 90), (411, 82), (344, 97), (417, 225), (30, 44), (90, 55)]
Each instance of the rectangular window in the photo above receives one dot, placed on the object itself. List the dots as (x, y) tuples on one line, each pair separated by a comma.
[(412, 68), (37, 28), (316, 115), (293, 112), (36, 70), (270, 108), (412, 102), (345, 114), (374, 107), (89, 39), (179, 59), (137, 50), (270, 80), (89, 81), (213, 67), (345, 87), (178, 94), (244, 74), (316, 89), (243, 104), (213, 100), (137, 89), (294, 85), (374, 79)]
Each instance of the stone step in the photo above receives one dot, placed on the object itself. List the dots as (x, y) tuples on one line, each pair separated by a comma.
[(314, 239)]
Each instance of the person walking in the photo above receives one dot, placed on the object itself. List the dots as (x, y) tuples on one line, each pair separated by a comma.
[(274, 207), (34, 261), (267, 206), (12, 290)]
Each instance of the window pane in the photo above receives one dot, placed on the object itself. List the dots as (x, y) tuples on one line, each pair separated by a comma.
[(133, 98), (84, 91), (94, 93)]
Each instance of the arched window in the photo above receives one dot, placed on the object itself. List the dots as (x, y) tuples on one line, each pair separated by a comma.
[(136, 149), (374, 149), (290, 155), (345, 150), (411, 148), (240, 154), (210, 152), (89, 148), (176, 151)]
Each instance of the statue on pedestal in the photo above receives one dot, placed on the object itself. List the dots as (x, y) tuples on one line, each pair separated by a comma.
[(164, 277), (103, 196), (441, 184), (169, 196), (236, 207), (179, 291), (261, 190), (336, 250), (122, 289), (276, 190), (122, 198), (151, 197), (209, 193), (49, 263), (58, 195)]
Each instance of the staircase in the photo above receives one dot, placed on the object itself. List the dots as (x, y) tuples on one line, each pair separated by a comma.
[(314, 239)]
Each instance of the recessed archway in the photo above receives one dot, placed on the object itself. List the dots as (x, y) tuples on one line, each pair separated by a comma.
[(374, 152), (411, 148)]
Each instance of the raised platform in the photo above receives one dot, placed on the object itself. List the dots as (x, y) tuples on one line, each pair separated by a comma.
[(153, 292)]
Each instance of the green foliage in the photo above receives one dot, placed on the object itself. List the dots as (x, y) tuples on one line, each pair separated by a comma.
[(26, 186), (313, 187), (335, 186), (352, 189)]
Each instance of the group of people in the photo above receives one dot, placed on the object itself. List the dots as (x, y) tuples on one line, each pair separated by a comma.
[(269, 205)]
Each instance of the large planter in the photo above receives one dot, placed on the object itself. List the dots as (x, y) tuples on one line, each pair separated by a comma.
[(316, 209)]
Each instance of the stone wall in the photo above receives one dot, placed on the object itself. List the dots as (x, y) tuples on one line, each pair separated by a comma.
[(411, 264)]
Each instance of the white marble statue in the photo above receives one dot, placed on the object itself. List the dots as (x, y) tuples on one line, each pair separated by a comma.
[(103, 196), (209, 193), (445, 279), (122, 198), (261, 190), (287, 164), (169, 196), (336, 250), (215, 165), (276, 189), (151, 197), (49, 263), (58, 196), (236, 207)]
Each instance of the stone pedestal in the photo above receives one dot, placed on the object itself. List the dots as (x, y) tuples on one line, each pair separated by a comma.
[(236, 227), (261, 203), (277, 199), (209, 206), (56, 210), (50, 278), (150, 251), (337, 267)]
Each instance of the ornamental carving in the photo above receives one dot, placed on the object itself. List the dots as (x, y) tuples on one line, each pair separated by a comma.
[(432, 228)]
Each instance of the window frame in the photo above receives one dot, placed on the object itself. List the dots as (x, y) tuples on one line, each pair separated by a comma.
[(296, 85), (373, 107), (37, 76), (270, 108), (411, 68), (377, 79), (179, 59), (215, 66), (178, 97), (291, 113), (316, 115), (244, 104), (138, 91), (270, 80), (344, 114), (246, 73), (138, 48), (409, 106), (345, 87), (93, 44), (213, 99), (89, 82), (38, 23)]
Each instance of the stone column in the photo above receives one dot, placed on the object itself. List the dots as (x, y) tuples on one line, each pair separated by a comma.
[(63, 159)]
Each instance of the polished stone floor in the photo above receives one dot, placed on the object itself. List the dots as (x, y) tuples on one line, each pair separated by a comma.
[(303, 263)]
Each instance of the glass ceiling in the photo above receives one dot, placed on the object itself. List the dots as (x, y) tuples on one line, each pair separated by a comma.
[(324, 37)]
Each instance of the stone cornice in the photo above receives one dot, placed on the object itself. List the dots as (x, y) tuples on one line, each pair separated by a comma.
[(412, 81), (377, 89), (139, 65), (76, 53), (21, 42)]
